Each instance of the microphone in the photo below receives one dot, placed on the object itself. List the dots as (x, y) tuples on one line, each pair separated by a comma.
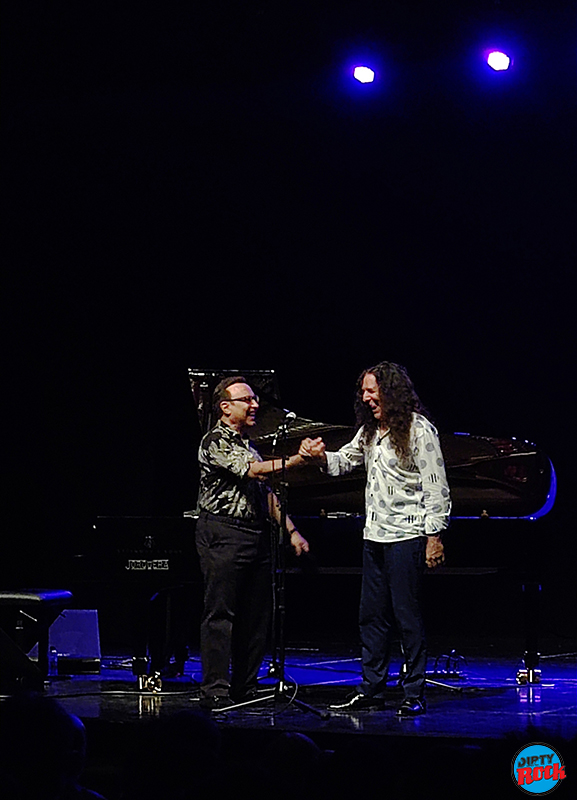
[(289, 416)]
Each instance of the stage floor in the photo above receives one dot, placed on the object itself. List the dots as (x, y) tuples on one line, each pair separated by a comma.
[(471, 694), (476, 710)]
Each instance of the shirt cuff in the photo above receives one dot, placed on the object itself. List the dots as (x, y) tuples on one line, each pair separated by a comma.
[(332, 465), (433, 526)]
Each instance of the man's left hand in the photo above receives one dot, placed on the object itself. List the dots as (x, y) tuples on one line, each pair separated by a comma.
[(435, 552), (299, 543)]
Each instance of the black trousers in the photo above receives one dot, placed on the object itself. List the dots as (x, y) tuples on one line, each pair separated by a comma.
[(390, 599), (235, 562)]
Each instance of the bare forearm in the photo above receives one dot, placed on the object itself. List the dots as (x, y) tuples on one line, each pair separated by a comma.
[(260, 469), (274, 511), (298, 542)]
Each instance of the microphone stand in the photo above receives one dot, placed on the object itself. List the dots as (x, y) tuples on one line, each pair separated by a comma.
[(279, 534), (281, 690)]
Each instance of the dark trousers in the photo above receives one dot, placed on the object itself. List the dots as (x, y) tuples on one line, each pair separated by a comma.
[(236, 567), (390, 598)]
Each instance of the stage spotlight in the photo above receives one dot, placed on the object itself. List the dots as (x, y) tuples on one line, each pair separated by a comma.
[(363, 74), (498, 61)]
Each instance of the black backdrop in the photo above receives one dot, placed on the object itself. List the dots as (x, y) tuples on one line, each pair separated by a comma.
[(169, 204)]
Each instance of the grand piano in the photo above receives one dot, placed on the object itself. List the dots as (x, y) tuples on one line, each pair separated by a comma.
[(489, 477), (500, 489)]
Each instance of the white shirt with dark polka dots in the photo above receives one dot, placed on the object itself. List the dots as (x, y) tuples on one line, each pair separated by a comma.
[(402, 502)]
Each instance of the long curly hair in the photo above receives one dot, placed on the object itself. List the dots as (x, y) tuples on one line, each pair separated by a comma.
[(398, 400)]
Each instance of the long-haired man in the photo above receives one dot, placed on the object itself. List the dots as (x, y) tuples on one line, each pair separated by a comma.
[(407, 507)]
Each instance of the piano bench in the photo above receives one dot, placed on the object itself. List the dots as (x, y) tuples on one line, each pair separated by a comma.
[(25, 618)]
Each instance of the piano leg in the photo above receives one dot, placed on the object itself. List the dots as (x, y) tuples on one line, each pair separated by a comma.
[(530, 674)]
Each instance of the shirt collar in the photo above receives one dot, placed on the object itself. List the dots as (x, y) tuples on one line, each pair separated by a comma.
[(381, 434)]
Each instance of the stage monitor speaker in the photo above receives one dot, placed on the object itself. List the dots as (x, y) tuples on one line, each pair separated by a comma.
[(74, 637)]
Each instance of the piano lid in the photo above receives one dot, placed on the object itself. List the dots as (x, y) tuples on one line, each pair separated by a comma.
[(488, 476)]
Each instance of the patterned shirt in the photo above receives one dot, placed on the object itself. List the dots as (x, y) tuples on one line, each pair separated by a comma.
[(402, 502), (225, 457)]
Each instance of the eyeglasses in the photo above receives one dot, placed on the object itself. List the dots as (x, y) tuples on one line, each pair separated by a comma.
[(250, 398)]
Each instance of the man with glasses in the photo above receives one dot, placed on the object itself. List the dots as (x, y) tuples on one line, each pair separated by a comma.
[(233, 543)]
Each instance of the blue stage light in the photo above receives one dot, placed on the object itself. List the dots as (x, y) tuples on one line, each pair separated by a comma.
[(364, 74), (498, 61)]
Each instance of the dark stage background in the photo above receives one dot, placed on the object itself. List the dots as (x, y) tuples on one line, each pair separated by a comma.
[(199, 185)]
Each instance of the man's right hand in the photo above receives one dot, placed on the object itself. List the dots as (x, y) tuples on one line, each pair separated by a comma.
[(313, 449)]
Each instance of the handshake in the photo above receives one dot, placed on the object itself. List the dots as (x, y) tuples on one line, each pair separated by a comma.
[(313, 450)]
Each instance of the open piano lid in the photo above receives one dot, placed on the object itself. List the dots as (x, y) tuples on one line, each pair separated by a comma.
[(488, 476)]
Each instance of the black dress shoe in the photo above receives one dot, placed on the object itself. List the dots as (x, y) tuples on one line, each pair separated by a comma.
[(215, 702), (245, 697), (412, 707), (356, 701)]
